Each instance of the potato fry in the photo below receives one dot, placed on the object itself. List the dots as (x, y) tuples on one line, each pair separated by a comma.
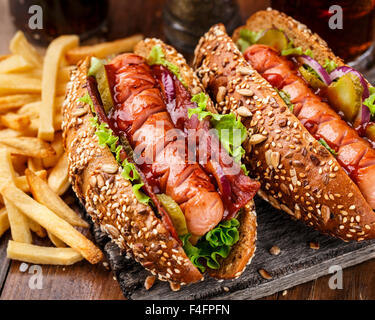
[(58, 146), (7, 173), (9, 133), (42, 255), (35, 164), (15, 101), (63, 74), (19, 45), (15, 121), (15, 84), (19, 163), (31, 109), (21, 182), (19, 226), (44, 194), (58, 179), (103, 50), (15, 63), (36, 228), (28, 146), (4, 221), (52, 223), (55, 51), (61, 88), (56, 241)]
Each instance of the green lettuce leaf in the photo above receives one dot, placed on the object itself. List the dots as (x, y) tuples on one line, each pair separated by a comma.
[(325, 144), (129, 171), (139, 194), (329, 65), (225, 124), (247, 38), (157, 56), (286, 97), (370, 101), (213, 245), (298, 51), (87, 99), (106, 138)]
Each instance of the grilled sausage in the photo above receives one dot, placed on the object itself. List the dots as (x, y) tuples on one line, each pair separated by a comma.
[(141, 113), (355, 154)]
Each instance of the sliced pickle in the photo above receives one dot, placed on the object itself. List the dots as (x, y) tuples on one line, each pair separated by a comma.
[(175, 213), (345, 95), (312, 79), (275, 39), (97, 69), (370, 131)]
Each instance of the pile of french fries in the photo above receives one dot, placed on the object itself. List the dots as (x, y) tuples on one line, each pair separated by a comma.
[(33, 165)]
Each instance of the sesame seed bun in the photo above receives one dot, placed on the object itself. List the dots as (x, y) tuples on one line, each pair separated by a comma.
[(298, 175), (109, 199)]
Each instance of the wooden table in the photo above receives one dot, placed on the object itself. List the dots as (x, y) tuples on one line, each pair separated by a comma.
[(84, 281)]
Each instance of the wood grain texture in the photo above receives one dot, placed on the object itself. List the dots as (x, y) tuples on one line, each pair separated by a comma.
[(83, 281), (297, 263)]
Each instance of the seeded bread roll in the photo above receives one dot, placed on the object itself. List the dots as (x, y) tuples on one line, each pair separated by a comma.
[(243, 251), (294, 30), (298, 175), (109, 199)]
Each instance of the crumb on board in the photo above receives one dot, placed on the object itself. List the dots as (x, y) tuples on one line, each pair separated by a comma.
[(275, 250), (265, 274), (314, 245), (149, 282)]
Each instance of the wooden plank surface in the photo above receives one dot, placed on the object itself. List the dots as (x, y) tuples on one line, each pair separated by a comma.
[(84, 281), (297, 263)]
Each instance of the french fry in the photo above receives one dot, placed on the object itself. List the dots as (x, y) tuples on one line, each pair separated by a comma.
[(19, 163), (44, 194), (35, 164), (103, 50), (19, 226), (42, 255), (56, 241), (28, 146), (31, 109), (55, 51), (8, 133), (15, 121), (63, 74), (36, 228), (15, 84), (57, 145), (18, 222), (4, 221), (19, 45), (21, 182), (52, 223), (14, 63), (61, 88), (7, 173), (15, 101), (58, 179)]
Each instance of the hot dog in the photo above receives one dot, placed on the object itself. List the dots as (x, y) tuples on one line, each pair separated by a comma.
[(311, 146), (355, 154), (126, 131)]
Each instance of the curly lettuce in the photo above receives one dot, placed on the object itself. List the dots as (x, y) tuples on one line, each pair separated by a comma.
[(370, 101), (157, 56), (226, 126), (216, 244), (325, 144), (248, 38), (106, 138), (286, 97), (329, 65)]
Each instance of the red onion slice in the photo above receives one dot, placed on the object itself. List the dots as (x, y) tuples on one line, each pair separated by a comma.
[(340, 71), (315, 65)]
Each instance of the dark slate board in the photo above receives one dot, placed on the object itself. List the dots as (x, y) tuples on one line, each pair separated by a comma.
[(296, 264)]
